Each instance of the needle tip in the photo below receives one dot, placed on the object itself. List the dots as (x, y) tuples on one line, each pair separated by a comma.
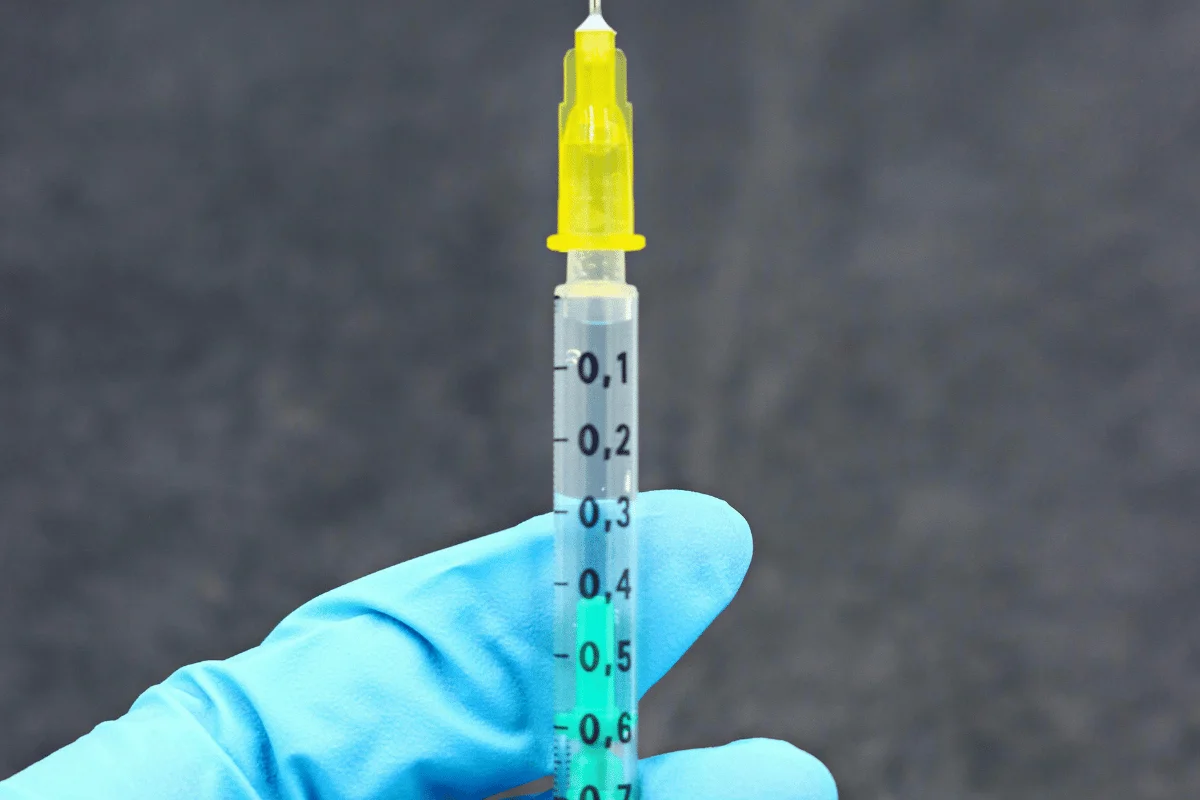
[(595, 20)]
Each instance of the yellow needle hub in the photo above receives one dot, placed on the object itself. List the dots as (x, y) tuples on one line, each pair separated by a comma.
[(595, 146)]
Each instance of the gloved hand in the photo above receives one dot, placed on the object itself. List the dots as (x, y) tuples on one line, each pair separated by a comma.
[(430, 679)]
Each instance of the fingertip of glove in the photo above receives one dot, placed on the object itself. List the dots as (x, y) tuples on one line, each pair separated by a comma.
[(742, 770), (707, 522), (807, 776)]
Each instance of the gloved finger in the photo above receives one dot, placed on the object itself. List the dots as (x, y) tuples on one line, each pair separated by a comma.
[(431, 679), (752, 769)]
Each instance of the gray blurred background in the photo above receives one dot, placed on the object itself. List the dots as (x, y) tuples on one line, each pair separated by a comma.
[(921, 299)]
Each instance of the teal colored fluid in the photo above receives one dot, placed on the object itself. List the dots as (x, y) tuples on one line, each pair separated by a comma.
[(596, 716)]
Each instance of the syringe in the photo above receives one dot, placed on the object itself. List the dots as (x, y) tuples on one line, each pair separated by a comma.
[(595, 429)]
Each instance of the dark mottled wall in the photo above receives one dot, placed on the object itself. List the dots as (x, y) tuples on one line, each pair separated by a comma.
[(922, 300)]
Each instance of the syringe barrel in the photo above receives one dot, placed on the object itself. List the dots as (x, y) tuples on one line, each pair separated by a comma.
[(595, 503)]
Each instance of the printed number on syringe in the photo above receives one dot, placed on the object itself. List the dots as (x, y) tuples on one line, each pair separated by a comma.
[(589, 368)]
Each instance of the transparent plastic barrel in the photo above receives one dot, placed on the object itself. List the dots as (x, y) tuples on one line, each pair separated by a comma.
[(595, 503)]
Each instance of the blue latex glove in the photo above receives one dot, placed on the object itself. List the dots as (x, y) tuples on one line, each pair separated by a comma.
[(427, 680)]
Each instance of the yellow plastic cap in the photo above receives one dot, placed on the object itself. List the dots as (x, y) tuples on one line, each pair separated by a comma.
[(595, 147)]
